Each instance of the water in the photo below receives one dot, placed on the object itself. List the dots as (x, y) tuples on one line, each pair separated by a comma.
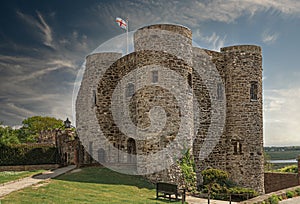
[(291, 161)]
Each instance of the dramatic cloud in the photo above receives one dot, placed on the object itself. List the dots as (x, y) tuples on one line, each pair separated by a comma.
[(43, 27)]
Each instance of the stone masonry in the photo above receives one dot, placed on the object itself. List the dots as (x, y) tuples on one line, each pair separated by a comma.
[(210, 102)]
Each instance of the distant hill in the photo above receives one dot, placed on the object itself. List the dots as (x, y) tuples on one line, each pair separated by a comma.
[(282, 149)]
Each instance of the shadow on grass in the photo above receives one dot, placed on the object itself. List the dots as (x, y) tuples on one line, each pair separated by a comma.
[(165, 200), (106, 176)]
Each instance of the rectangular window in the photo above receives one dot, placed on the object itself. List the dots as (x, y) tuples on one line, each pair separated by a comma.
[(154, 76), (190, 80), (129, 90), (94, 98), (253, 91), (237, 148), (219, 91)]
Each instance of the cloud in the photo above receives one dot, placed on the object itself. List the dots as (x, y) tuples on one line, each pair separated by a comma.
[(45, 28), (282, 118), (192, 12), (214, 41), (269, 38), (41, 24)]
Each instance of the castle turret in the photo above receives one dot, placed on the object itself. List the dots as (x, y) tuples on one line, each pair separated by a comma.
[(86, 120), (244, 120)]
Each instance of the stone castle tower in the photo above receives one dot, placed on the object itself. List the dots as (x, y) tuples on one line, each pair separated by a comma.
[(144, 109)]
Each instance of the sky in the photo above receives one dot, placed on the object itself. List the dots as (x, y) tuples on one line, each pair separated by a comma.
[(43, 44)]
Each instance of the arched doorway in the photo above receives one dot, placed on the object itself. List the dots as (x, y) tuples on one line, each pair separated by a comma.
[(131, 150)]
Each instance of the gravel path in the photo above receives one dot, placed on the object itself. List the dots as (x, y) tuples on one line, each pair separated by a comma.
[(29, 181)]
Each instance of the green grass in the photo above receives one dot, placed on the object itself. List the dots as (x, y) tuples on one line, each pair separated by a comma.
[(6, 176), (91, 185)]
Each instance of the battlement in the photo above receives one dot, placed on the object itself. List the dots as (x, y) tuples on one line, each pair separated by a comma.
[(241, 48), (179, 29)]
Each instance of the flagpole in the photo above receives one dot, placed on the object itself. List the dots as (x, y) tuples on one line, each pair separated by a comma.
[(127, 36)]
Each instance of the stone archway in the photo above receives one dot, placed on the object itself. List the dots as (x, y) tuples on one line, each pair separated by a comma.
[(131, 150)]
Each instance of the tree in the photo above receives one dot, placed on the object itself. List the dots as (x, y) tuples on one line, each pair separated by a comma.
[(213, 178), (34, 125), (8, 136), (187, 166), (267, 164)]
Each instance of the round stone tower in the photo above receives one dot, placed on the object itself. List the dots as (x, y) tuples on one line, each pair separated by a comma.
[(244, 119)]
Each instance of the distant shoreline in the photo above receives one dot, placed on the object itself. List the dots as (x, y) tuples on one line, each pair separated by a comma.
[(287, 161)]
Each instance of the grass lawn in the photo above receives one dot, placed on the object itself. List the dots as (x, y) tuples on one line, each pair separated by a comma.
[(91, 185), (6, 176)]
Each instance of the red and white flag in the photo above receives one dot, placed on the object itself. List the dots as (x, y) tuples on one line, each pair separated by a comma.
[(121, 23)]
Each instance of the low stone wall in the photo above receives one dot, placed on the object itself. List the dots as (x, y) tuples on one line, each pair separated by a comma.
[(278, 181), (28, 167)]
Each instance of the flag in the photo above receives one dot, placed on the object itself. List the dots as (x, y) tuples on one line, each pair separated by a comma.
[(121, 23)]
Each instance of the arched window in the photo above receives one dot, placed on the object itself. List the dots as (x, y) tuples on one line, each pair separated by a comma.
[(130, 90)]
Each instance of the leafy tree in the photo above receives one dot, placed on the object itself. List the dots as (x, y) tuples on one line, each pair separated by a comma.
[(8, 136), (34, 125)]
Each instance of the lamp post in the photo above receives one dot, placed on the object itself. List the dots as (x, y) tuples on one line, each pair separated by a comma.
[(67, 124), (59, 141)]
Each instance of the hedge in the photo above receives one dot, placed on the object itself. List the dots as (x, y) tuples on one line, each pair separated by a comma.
[(28, 154)]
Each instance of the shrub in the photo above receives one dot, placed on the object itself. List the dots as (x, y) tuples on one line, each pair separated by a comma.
[(289, 169), (290, 194), (273, 199), (187, 166), (28, 154), (298, 191), (240, 194)]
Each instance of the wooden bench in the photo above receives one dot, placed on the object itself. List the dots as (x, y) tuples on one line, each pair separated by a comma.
[(166, 190)]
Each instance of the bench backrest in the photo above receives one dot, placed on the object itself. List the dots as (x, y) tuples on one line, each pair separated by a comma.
[(168, 187)]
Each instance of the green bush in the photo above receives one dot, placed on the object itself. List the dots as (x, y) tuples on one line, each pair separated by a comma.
[(240, 194), (290, 194), (298, 191), (217, 183), (289, 169), (273, 199), (25, 154)]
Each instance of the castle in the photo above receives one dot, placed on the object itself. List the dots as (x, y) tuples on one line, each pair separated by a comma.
[(141, 110)]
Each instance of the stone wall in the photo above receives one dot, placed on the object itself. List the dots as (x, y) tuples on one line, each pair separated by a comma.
[(278, 181), (28, 167)]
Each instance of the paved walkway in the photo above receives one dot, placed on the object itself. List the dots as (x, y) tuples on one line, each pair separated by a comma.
[(29, 181), (195, 200), (295, 200)]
